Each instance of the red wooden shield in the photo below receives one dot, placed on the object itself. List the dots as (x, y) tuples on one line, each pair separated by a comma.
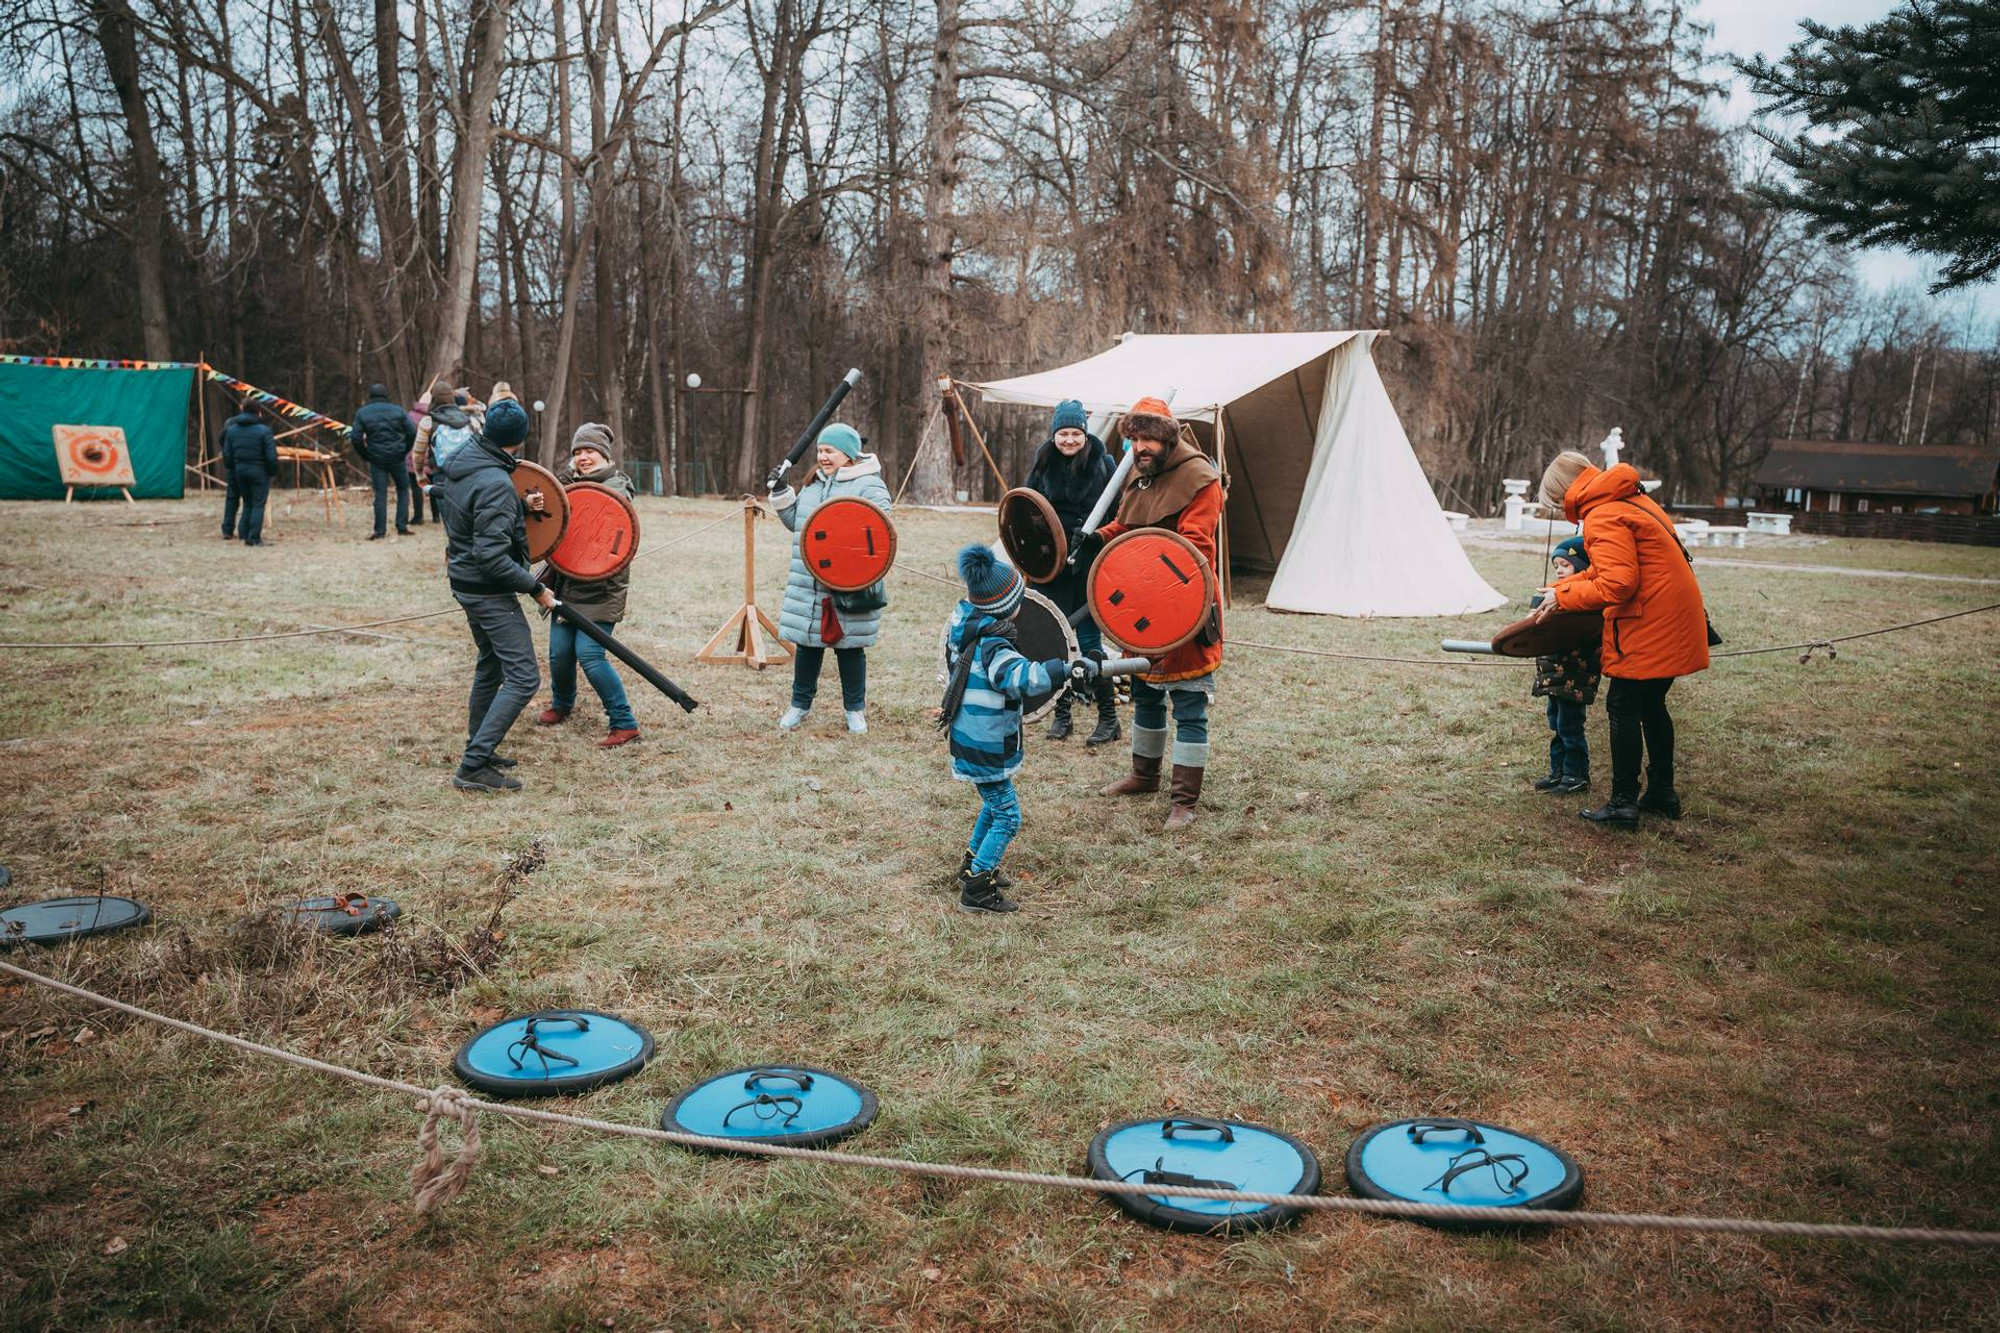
[(1560, 633), (1151, 591), (546, 528), (603, 532), (1032, 534), (849, 544)]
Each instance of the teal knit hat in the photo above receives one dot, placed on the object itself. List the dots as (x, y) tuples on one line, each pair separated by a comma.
[(843, 437), (1069, 416)]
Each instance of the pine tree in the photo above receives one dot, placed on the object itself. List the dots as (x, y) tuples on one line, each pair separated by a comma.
[(1914, 101)]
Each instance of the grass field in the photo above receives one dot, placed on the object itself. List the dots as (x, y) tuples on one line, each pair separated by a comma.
[(1783, 1006)]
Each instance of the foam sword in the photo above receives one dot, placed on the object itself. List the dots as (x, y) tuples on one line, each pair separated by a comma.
[(811, 435), (1111, 488)]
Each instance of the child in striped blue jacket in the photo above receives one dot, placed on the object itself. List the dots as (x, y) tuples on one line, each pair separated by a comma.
[(982, 709)]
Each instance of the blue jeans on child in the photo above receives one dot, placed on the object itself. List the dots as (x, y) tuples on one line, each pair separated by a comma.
[(999, 820), (1569, 746), (568, 649), (1189, 701)]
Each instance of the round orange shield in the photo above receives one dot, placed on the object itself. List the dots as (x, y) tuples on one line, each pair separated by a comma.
[(1032, 534), (545, 529), (603, 532), (1151, 591), (848, 544)]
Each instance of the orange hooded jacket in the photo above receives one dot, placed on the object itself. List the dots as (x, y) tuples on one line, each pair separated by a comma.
[(1639, 576)]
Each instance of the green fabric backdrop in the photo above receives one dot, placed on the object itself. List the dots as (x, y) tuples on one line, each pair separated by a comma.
[(151, 405)]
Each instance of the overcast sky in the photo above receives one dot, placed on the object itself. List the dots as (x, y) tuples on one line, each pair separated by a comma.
[(1768, 28)]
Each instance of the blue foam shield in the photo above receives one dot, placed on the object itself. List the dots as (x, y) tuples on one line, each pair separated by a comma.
[(1448, 1160), (551, 1052), (1196, 1151), (341, 913), (796, 1105), (55, 920)]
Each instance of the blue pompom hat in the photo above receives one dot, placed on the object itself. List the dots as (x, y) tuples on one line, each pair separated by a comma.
[(1571, 549), (507, 423), (843, 437), (1069, 416), (992, 586)]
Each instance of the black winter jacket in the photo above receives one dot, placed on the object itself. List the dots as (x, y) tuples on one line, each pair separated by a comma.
[(248, 445), (382, 432), (485, 523)]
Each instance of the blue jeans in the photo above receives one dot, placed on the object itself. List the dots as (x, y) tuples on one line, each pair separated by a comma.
[(567, 648), (253, 488), (232, 499), (506, 677), (1149, 721), (806, 663), (1569, 747), (379, 476), (999, 820)]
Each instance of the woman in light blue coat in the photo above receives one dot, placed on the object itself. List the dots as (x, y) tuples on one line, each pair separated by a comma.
[(811, 619)]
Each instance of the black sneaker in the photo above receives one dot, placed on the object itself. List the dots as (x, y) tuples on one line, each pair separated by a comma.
[(977, 893), (1571, 786), (501, 761), (1666, 804), (1000, 881), (487, 778), (1549, 782), (1614, 813)]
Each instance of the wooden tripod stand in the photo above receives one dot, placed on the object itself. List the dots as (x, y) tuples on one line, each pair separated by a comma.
[(745, 630)]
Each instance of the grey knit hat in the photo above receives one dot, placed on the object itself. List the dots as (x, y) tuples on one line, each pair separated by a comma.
[(593, 435)]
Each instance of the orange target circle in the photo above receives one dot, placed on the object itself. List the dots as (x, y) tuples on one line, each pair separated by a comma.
[(1151, 591), (93, 454)]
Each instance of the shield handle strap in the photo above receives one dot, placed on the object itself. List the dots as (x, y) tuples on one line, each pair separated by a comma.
[(1157, 1174), (1444, 1125), (784, 1104), (1197, 1122), (1472, 1159), (351, 903), (803, 1080)]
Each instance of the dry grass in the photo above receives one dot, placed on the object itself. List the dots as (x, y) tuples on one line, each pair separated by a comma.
[(1783, 1005)]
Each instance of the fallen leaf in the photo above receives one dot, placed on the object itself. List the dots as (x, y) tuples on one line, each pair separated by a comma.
[(933, 1274), (81, 1107), (116, 1245), (84, 1036), (546, 1170)]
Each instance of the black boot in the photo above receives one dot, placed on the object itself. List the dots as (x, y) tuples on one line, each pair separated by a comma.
[(1107, 716), (1620, 812), (1666, 804), (1000, 881), (1059, 723), (978, 893)]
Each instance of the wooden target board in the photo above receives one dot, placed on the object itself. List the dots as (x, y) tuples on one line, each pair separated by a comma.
[(93, 456), (1562, 632), (848, 544), (1151, 591), (1032, 534), (545, 530), (602, 536)]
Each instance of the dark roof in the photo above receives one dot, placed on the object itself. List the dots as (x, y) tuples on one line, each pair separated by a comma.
[(1886, 469)]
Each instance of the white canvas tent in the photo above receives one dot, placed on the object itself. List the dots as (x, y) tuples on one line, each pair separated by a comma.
[(1323, 486)]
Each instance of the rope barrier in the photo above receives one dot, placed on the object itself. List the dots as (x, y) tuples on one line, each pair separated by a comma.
[(1812, 645), (243, 638), (436, 1182)]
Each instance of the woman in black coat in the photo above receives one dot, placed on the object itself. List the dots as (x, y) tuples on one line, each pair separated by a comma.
[(1071, 470)]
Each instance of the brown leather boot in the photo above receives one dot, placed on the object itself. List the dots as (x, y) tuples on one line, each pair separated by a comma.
[(1144, 777), (1186, 791)]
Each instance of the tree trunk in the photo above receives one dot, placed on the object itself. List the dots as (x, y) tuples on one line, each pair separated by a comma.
[(468, 186), (933, 481), (114, 26)]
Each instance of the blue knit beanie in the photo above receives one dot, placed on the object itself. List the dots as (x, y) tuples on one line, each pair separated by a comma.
[(992, 587), (507, 423), (842, 437), (1571, 549), (1069, 416)]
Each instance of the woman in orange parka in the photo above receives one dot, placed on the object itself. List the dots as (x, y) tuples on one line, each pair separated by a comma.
[(1655, 627)]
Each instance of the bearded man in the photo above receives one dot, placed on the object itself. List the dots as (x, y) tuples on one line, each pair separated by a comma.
[(1173, 486)]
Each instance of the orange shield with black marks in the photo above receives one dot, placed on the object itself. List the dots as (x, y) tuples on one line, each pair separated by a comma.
[(1151, 591), (602, 536), (848, 544)]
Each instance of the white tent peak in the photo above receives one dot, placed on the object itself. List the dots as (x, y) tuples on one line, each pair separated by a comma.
[(1324, 488)]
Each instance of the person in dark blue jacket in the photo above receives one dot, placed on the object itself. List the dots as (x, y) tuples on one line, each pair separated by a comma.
[(250, 462), (486, 558), (383, 435), (1071, 470)]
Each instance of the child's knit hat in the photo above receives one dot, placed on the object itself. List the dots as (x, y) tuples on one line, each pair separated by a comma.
[(1571, 549), (993, 587)]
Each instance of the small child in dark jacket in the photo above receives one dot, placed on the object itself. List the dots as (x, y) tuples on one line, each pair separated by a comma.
[(1569, 682)]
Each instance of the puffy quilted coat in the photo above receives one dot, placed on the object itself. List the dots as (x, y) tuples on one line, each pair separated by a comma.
[(1654, 622), (805, 598)]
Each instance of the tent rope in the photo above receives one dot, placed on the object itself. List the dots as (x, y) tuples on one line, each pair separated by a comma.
[(435, 1182)]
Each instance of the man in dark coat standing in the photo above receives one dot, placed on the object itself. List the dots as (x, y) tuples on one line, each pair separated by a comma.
[(486, 558), (249, 462), (382, 435)]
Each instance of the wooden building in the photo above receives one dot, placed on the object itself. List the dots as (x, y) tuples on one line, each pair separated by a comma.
[(1824, 477)]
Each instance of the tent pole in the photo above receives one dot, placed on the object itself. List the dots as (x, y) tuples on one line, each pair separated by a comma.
[(1222, 527), (978, 438), (201, 411)]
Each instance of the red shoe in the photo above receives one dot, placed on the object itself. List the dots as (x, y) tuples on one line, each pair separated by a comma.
[(619, 736), (552, 717)]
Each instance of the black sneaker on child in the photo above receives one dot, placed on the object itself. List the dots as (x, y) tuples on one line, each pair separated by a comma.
[(1571, 786), (978, 893), (484, 778), (1548, 782)]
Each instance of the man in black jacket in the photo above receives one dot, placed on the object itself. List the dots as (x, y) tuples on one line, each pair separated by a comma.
[(486, 558), (249, 462), (382, 435)]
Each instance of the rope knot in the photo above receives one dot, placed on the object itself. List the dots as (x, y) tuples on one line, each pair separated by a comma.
[(434, 1182)]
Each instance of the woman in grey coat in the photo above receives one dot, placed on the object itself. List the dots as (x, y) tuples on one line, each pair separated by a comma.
[(810, 619)]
